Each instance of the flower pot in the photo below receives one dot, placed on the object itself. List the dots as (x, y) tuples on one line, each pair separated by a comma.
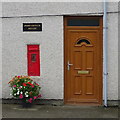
[(26, 104), (24, 88)]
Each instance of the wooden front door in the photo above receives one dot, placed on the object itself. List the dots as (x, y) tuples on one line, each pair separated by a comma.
[(83, 60)]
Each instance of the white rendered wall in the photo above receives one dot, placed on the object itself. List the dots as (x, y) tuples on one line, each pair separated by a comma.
[(51, 53), (51, 43), (119, 53), (0, 64), (112, 56), (54, 8), (0, 50)]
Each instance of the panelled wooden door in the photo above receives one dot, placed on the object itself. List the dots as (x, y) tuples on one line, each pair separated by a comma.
[(83, 62)]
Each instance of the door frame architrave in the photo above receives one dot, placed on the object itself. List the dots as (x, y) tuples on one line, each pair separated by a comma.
[(65, 57)]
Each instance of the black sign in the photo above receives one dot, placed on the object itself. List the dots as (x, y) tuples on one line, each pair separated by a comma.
[(32, 27)]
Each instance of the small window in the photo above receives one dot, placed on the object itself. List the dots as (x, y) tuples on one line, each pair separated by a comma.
[(83, 22), (83, 40)]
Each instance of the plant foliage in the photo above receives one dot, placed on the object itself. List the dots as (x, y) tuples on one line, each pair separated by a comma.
[(24, 87)]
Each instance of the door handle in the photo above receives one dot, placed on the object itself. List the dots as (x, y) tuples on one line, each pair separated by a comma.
[(68, 65)]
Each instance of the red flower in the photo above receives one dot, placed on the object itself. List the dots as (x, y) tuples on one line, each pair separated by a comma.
[(18, 77), (37, 84), (14, 85), (24, 84), (29, 83), (21, 96), (30, 100), (35, 97), (38, 96)]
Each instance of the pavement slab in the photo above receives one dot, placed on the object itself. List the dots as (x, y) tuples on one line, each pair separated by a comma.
[(64, 111)]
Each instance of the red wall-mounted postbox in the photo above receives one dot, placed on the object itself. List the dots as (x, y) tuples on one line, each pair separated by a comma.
[(33, 55)]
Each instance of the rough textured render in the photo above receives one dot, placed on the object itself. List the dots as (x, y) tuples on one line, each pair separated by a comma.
[(55, 8), (51, 53), (119, 52), (1, 58), (0, 50), (113, 56), (51, 8), (51, 43)]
